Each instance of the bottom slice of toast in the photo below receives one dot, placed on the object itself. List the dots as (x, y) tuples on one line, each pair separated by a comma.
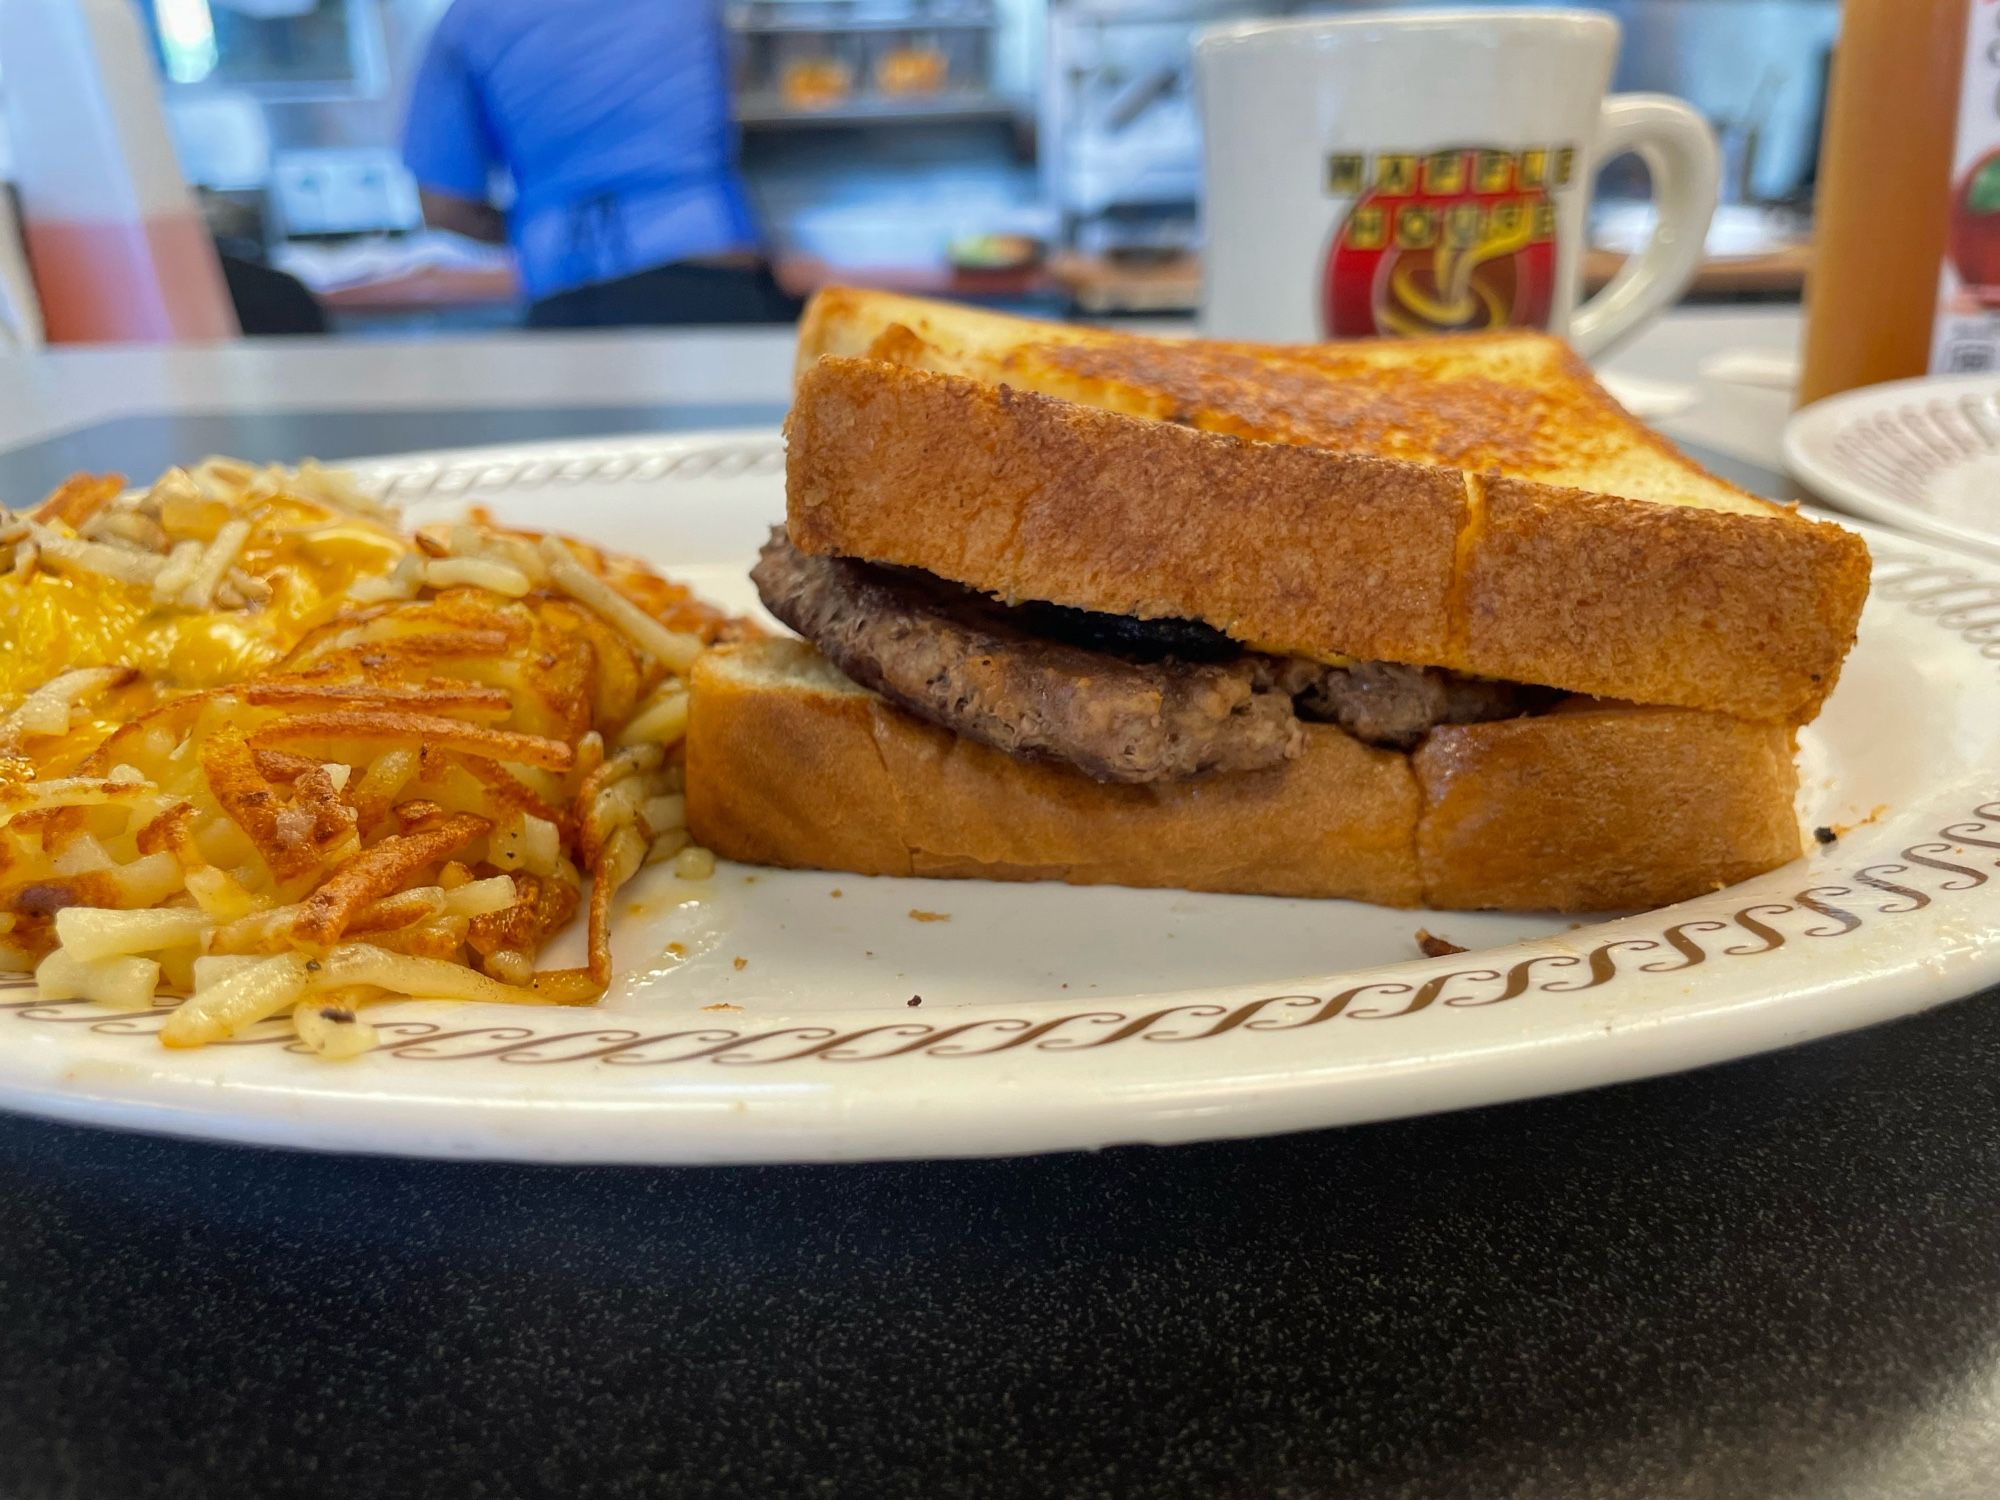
[(1593, 807)]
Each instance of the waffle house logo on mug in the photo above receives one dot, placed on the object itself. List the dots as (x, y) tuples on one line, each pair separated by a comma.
[(1443, 242)]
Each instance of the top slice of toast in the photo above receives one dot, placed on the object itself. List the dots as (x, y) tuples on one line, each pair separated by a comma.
[(1516, 403), (1523, 527)]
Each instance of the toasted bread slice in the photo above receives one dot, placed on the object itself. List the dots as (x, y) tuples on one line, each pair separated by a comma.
[(1300, 549), (1594, 807), (1519, 404)]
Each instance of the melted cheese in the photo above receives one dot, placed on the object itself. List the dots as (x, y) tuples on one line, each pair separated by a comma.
[(59, 620)]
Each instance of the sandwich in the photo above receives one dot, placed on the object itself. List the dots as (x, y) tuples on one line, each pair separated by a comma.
[(1424, 622)]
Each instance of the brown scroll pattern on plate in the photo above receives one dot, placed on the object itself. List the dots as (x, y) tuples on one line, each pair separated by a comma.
[(1959, 859)]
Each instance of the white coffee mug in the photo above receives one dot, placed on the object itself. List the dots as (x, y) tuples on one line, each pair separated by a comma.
[(1430, 171)]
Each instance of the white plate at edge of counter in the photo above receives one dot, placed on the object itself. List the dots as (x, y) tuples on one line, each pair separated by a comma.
[(1920, 455), (1043, 1017)]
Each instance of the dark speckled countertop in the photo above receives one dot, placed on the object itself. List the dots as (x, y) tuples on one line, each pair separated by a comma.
[(1777, 1278)]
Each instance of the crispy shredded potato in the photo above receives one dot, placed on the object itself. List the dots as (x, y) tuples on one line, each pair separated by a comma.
[(283, 758)]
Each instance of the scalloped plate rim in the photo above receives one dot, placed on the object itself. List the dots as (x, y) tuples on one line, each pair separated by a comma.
[(1811, 427)]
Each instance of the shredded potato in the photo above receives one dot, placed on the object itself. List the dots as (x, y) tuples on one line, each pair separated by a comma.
[(676, 649), (88, 933), (236, 1000), (478, 897), (477, 572), (121, 980), (332, 1030), (525, 842), (294, 761), (46, 711), (694, 864)]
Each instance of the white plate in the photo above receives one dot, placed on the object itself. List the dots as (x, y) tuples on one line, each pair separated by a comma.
[(1920, 455), (1053, 1017)]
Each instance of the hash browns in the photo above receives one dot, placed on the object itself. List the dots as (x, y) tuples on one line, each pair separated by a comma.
[(262, 750)]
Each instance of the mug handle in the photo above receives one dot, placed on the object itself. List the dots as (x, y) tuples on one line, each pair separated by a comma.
[(1679, 150)]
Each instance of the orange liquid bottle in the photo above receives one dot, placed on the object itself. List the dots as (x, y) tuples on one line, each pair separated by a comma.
[(155, 281), (115, 242), (1884, 213)]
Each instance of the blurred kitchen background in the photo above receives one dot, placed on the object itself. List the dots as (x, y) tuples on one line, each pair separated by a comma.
[(1038, 154)]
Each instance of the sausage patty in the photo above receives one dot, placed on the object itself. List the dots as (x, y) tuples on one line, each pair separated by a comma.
[(1119, 699), (962, 660)]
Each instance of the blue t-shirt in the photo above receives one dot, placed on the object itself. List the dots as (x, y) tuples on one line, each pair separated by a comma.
[(612, 117)]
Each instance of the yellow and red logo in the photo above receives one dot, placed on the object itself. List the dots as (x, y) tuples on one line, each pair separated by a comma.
[(1443, 242)]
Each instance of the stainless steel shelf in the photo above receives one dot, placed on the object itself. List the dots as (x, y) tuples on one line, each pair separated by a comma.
[(870, 24), (768, 110)]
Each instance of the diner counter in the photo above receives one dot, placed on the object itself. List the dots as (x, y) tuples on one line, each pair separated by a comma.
[(1775, 1278), (634, 379)]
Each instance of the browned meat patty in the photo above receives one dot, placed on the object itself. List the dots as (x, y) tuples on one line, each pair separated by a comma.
[(956, 658), (1394, 706), (1119, 699)]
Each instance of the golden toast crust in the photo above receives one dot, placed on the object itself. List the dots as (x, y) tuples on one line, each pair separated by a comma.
[(1604, 807), (1300, 549), (1516, 403), (1027, 497), (1744, 614)]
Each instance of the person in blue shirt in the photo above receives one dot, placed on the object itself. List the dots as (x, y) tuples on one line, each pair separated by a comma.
[(612, 119)]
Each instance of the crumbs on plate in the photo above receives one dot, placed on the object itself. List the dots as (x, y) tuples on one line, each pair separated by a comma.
[(919, 915), (1828, 833), (722, 1005), (738, 963), (1435, 946)]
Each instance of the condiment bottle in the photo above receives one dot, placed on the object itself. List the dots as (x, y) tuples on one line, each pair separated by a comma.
[(1894, 165)]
